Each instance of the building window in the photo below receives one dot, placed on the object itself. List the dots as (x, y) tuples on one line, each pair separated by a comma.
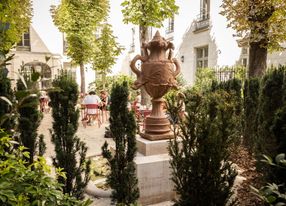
[(202, 20), (202, 54), (205, 9), (25, 40), (170, 27), (244, 62), (132, 46), (244, 50)]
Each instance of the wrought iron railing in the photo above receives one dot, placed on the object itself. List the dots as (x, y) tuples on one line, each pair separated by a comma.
[(202, 21)]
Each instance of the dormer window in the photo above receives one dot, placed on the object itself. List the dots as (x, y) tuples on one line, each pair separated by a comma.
[(25, 42)]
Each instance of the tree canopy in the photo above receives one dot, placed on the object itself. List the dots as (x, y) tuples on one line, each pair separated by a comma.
[(148, 12), (79, 19), (15, 19), (257, 20), (107, 49)]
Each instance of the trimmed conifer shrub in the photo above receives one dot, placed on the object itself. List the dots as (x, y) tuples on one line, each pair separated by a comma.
[(5, 91), (122, 178), (29, 120), (250, 104), (70, 151), (270, 100), (201, 170)]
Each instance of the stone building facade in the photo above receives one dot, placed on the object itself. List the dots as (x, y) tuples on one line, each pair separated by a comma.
[(32, 53)]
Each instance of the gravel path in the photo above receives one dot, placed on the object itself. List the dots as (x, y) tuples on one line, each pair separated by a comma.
[(91, 135)]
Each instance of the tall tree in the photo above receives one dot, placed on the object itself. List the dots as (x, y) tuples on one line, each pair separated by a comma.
[(79, 19), (106, 52), (147, 13), (262, 23), (15, 19)]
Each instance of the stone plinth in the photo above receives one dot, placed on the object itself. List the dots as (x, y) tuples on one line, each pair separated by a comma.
[(147, 147), (153, 171)]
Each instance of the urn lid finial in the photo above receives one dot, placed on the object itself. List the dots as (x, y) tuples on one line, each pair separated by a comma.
[(157, 36)]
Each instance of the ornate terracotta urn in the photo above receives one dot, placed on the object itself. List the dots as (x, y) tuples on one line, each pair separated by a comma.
[(158, 74)]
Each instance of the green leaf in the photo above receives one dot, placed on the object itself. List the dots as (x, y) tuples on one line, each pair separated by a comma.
[(6, 100), (279, 158), (35, 76), (271, 198)]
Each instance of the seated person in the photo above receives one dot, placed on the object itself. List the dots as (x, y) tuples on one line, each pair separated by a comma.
[(104, 103), (104, 100), (93, 99)]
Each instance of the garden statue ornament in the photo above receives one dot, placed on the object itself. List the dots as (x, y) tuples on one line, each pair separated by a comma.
[(158, 75)]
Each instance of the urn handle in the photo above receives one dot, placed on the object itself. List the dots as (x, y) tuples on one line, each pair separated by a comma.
[(178, 67), (133, 67)]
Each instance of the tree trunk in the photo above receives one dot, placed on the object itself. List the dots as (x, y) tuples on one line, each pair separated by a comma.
[(82, 78), (258, 49), (257, 59), (144, 37), (103, 76)]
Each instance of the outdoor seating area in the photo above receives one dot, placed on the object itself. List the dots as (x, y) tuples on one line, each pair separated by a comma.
[(94, 108)]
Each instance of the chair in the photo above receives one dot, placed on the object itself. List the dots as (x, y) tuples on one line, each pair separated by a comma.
[(92, 113)]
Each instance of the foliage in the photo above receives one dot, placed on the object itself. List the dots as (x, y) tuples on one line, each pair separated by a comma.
[(264, 15), (79, 20), (264, 119), (70, 151), (204, 79), (110, 80), (29, 116), (233, 87), (28, 185), (5, 91), (270, 100), (181, 81), (203, 175), (15, 18), (261, 25), (273, 194), (107, 49), (250, 102), (122, 178), (148, 13), (42, 145)]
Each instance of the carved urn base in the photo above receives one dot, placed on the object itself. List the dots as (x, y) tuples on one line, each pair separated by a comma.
[(157, 126), (157, 129)]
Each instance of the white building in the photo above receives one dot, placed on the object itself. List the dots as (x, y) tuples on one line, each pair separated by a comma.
[(43, 48), (202, 39), (31, 53)]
